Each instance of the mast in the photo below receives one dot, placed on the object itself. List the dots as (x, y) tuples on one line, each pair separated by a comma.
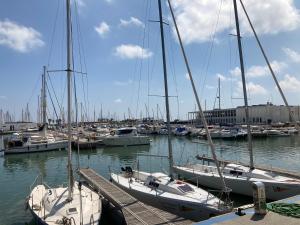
[(219, 89), (166, 88), (44, 103), (291, 115), (212, 146), (69, 74), (244, 84)]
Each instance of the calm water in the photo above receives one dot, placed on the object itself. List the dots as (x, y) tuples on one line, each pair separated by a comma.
[(17, 172)]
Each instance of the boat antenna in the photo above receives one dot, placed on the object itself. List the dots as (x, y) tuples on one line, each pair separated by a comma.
[(212, 146), (244, 84), (291, 115), (69, 74), (161, 23)]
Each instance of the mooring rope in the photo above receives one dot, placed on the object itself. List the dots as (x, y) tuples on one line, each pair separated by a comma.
[(287, 209)]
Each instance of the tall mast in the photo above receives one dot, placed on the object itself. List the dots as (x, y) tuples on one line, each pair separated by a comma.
[(219, 89), (291, 115), (244, 84), (166, 88), (44, 103), (69, 74), (212, 146)]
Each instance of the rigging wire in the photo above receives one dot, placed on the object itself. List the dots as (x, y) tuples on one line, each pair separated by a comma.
[(213, 36)]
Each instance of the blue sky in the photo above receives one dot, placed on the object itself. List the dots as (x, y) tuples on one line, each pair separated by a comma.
[(122, 52)]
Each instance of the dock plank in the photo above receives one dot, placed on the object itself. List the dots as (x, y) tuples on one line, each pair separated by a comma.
[(134, 211)]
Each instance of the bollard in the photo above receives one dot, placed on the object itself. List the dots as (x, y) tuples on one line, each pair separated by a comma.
[(259, 198)]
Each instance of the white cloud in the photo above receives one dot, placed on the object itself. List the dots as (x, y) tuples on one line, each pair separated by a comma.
[(222, 77), (123, 83), (132, 52), (293, 55), (18, 37), (290, 83), (102, 29), (3, 97), (235, 72), (118, 100), (131, 22), (252, 89), (260, 71), (197, 19), (187, 76)]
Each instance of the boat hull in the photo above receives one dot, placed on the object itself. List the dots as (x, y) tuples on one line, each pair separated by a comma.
[(126, 141), (187, 209), (240, 185), (37, 148)]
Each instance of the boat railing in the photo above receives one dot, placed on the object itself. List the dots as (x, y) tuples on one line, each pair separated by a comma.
[(224, 202), (38, 178)]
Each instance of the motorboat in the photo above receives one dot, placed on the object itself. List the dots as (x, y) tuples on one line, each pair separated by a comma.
[(126, 136), (19, 143)]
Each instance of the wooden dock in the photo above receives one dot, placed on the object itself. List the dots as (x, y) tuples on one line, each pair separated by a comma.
[(134, 211)]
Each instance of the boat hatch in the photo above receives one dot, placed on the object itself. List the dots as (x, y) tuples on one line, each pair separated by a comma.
[(123, 131), (235, 172), (71, 211), (185, 188)]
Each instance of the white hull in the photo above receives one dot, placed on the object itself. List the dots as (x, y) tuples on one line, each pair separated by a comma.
[(182, 206), (275, 190), (50, 206), (126, 140), (44, 147)]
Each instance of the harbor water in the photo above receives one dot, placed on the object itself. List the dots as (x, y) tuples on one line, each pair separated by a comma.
[(17, 172)]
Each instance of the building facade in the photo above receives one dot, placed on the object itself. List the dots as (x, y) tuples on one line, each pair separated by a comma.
[(258, 114)]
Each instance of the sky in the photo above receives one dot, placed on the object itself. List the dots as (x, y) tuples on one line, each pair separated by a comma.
[(116, 44)]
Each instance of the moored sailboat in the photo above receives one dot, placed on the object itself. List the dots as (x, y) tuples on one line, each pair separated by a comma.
[(75, 204), (162, 190), (239, 178)]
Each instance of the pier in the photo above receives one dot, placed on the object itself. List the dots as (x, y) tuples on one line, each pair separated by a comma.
[(134, 211)]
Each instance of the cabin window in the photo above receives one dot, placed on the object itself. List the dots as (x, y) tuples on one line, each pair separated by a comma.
[(153, 184), (185, 188), (120, 132), (237, 173)]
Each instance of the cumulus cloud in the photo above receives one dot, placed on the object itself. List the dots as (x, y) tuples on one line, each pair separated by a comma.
[(290, 83), (260, 71), (252, 89), (127, 51), (187, 76), (221, 77), (102, 29), (118, 100), (197, 19), (292, 55), (131, 22), (18, 37)]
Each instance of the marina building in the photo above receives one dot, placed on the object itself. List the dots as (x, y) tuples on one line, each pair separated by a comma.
[(259, 114)]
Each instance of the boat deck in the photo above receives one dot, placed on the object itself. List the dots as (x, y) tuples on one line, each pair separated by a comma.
[(280, 171), (270, 218), (134, 211)]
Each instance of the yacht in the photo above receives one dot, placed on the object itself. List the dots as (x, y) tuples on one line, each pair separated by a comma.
[(22, 143), (126, 136)]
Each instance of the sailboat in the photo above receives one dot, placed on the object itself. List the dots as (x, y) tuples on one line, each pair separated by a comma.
[(163, 191), (75, 204), (239, 178), (40, 141)]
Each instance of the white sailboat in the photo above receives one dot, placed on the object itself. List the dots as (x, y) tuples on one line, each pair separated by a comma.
[(162, 190), (75, 204), (239, 178)]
